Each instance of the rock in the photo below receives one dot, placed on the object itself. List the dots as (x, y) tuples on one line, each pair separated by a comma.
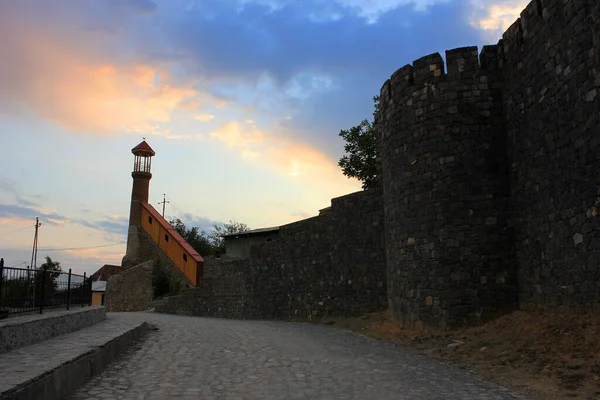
[(456, 343)]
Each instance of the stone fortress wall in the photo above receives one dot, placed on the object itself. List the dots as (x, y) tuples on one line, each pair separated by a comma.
[(490, 187), (490, 173), (329, 265)]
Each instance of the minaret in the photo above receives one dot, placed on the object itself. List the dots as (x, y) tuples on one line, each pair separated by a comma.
[(141, 175)]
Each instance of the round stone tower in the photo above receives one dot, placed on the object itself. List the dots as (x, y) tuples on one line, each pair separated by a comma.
[(141, 175), (445, 187)]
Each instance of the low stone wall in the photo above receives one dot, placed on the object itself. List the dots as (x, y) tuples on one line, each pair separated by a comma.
[(26, 330), (330, 265), (151, 251), (67, 362), (131, 290), (135, 288)]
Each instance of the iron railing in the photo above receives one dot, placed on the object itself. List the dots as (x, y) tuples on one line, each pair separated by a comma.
[(25, 290)]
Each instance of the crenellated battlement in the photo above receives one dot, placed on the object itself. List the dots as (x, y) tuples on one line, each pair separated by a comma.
[(461, 63), (488, 160), (534, 27)]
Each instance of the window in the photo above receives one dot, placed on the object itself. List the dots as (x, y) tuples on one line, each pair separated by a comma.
[(102, 299), (185, 257), (149, 219), (166, 238)]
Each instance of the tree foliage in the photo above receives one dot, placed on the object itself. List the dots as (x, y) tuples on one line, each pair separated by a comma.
[(198, 240), (53, 270), (51, 266), (362, 151), (217, 233), (208, 243), (19, 292)]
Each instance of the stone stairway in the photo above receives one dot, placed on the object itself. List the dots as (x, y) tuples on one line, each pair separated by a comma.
[(51, 355)]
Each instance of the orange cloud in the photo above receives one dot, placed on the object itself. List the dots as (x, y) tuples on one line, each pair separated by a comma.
[(104, 255), (234, 134), (497, 17), (14, 221), (292, 158), (85, 92), (204, 117)]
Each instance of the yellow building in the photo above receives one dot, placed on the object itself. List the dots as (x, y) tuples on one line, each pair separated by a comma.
[(172, 244), (98, 293)]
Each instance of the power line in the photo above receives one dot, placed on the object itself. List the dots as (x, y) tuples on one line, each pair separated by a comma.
[(84, 248), (176, 206), (15, 231), (164, 203), (16, 265)]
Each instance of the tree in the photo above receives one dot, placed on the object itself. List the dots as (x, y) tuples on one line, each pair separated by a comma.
[(200, 241), (52, 270), (51, 266), (362, 158), (217, 233), (19, 292), (212, 243)]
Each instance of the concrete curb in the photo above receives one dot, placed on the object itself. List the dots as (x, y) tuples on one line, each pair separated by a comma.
[(65, 379)]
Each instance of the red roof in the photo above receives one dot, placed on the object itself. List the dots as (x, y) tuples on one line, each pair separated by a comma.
[(106, 272), (163, 222), (143, 148)]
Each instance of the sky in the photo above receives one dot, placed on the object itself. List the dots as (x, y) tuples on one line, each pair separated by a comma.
[(242, 101)]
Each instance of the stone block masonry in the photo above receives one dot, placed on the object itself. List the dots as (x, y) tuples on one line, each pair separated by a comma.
[(27, 330), (490, 173), (446, 191), (136, 287), (550, 71), (330, 265), (131, 290)]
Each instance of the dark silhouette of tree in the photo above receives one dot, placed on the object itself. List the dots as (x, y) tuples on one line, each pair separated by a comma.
[(52, 271), (362, 151), (200, 241), (218, 231), (207, 244)]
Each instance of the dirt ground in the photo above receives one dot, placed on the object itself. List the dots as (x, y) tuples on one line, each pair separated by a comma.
[(540, 356)]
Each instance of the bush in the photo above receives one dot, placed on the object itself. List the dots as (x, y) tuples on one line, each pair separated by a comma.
[(160, 282)]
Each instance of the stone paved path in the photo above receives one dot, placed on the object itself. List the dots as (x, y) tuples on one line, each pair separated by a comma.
[(201, 358)]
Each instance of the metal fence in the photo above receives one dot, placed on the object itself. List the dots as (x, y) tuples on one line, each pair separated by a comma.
[(25, 290)]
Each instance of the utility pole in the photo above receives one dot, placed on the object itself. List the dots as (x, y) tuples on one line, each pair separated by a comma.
[(164, 202), (33, 264)]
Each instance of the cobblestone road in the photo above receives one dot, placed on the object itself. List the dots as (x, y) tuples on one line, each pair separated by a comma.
[(199, 358)]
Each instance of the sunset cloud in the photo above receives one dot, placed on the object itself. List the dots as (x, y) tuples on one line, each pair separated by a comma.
[(237, 135), (204, 117), (288, 156), (496, 16), (51, 74), (85, 95)]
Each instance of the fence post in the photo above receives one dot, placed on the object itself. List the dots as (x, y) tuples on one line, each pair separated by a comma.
[(1, 277), (69, 290), (90, 292), (83, 287), (42, 290)]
